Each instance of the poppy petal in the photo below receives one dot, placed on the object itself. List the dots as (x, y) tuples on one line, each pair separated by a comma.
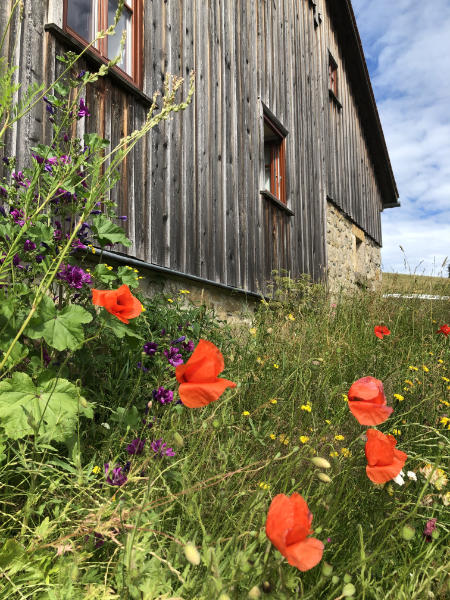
[(207, 350), (302, 520), (379, 448), (98, 297), (135, 309), (367, 389), (305, 555), (367, 413), (280, 520), (382, 474), (195, 395)]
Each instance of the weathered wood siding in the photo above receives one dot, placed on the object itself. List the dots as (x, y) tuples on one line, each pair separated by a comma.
[(191, 190)]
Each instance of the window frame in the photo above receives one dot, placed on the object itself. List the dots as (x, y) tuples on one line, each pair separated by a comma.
[(277, 161), (137, 14), (332, 70)]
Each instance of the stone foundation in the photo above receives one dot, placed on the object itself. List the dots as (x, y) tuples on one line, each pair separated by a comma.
[(354, 259)]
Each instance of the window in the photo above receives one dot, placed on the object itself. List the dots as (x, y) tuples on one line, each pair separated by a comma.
[(274, 162), (84, 18), (332, 71)]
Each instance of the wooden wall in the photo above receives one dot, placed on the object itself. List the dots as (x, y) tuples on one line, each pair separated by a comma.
[(191, 190)]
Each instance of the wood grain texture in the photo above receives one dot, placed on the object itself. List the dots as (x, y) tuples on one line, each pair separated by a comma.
[(191, 189)]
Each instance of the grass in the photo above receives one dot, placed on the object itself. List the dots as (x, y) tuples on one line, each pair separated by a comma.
[(293, 368)]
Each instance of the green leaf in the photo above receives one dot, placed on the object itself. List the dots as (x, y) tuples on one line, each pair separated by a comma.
[(42, 530), (103, 274), (60, 329), (57, 402), (106, 232), (124, 331), (128, 276), (10, 552), (130, 417), (61, 89), (19, 352), (95, 142)]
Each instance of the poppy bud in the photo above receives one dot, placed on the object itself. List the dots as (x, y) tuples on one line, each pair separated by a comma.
[(192, 555), (338, 350), (216, 424), (266, 587), (335, 463), (74, 573), (315, 365), (318, 530), (435, 534), (254, 592), (246, 567), (178, 440), (224, 597), (348, 590), (327, 569), (208, 538), (408, 533), (323, 477), (347, 578), (83, 402), (335, 579), (322, 463)]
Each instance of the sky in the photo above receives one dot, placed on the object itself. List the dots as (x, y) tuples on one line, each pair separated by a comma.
[(406, 47)]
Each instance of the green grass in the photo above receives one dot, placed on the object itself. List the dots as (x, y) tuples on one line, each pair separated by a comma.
[(228, 466)]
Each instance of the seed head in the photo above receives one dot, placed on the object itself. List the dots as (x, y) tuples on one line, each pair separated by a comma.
[(192, 554), (324, 478), (322, 463)]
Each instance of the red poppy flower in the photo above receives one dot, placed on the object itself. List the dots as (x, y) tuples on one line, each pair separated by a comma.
[(199, 384), (385, 462), (367, 402), (287, 527), (445, 329), (381, 330), (121, 303)]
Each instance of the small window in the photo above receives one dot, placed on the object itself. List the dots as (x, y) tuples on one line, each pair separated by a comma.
[(84, 18), (332, 72), (274, 163)]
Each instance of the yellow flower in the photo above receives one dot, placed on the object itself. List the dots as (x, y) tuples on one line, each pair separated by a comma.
[(273, 401), (113, 498), (426, 369), (431, 354), (93, 250), (88, 270), (143, 309), (273, 436), (399, 397), (396, 432), (413, 369), (345, 397), (339, 438), (284, 438), (169, 300), (140, 278), (434, 321), (253, 331), (96, 470), (275, 366), (445, 402), (444, 420), (264, 486), (307, 407), (409, 382), (334, 454), (446, 379), (128, 267), (185, 292), (245, 413), (291, 317), (327, 421), (346, 453), (441, 361), (109, 268), (135, 270), (304, 439), (259, 360), (390, 490)]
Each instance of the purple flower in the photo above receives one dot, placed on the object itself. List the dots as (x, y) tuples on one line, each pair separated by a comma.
[(18, 215), (429, 528), (83, 112), (139, 366), (74, 276), (150, 348), (5, 159), (116, 476), (46, 357), (81, 74), (180, 327), (16, 260), (98, 540), (19, 179), (163, 332), (162, 395), (38, 159), (39, 259), (173, 356), (78, 245), (188, 346), (178, 341), (124, 218), (66, 138), (136, 446), (96, 212), (2, 210), (51, 109), (29, 246), (160, 449)]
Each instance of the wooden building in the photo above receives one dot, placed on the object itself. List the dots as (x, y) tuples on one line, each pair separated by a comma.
[(279, 163)]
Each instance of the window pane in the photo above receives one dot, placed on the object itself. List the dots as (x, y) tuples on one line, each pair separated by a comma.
[(268, 169), (82, 18), (114, 41)]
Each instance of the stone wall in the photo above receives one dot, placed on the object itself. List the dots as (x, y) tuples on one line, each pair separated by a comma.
[(354, 259)]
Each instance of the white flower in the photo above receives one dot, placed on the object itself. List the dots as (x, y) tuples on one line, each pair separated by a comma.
[(106, 426), (399, 479), (412, 475)]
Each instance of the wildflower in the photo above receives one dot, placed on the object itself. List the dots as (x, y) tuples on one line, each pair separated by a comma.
[(441, 361), (346, 453), (198, 377), (445, 499), (115, 476), (150, 348), (178, 341), (169, 300), (96, 470), (136, 446), (253, 332), (445, 379), (327, 421), (259, 360), (437, 477), (139, 366), (426, 369), (409, 382), (273, 436), (287, 527), (106, 426), (384, 461), (185, 292), (399, 397), (162, 395), (413, 368), (284, 439), (29, 246), (304, 439), (245, 413), (429, 528), (276, 366), (83, 112), (291, 317), (399, 479), (441, 479), (160, 449), (264, 486), (390, 490), (381, 331), (120, 303), (367, 401), (174, 357), (339, 438), (74, 276), (445, 329), (273, 401), (444, 421), (345, 397), (188, 346), (334, 454)]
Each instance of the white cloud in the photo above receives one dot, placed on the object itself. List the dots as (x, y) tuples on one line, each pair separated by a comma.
[(405, 43)]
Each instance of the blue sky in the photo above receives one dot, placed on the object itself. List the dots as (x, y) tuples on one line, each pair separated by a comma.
[(406, 43)]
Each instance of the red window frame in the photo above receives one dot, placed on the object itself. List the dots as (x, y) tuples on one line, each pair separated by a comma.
[(277, 164), (136, 78), (332, 76)]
